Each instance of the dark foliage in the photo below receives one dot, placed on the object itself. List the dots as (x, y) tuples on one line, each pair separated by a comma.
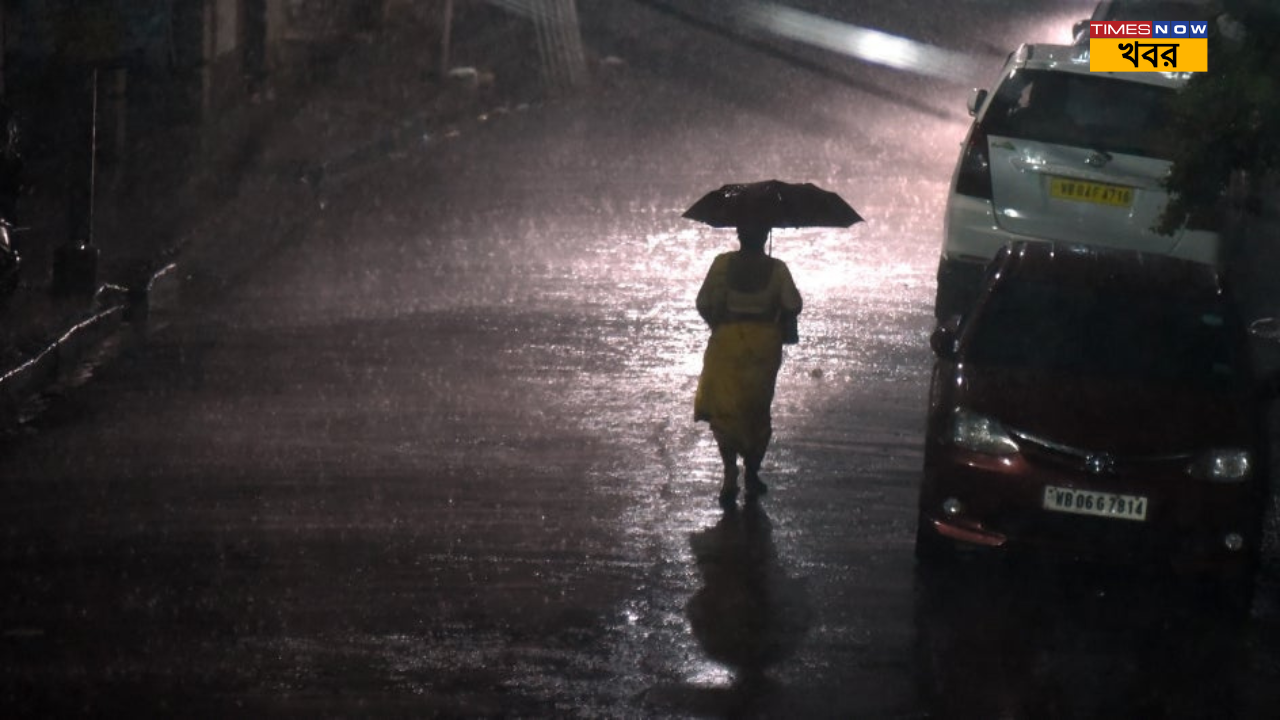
[(1226, 123)]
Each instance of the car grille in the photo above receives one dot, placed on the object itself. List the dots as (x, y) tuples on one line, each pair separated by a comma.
[(1093, 462)]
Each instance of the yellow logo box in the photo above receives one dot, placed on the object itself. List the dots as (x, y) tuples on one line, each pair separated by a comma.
[(1148, 55)]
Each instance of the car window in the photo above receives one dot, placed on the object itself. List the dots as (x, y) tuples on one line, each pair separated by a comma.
[(1096, 112), (1159, 336)]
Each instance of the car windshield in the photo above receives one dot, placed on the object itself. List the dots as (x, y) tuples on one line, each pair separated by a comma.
[(1117, 333), (1096, 112)]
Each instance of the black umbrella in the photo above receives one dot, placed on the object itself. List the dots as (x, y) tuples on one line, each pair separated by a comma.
[(774, 204)]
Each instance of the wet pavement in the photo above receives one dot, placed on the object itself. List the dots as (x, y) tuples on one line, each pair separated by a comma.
[(423, 445)]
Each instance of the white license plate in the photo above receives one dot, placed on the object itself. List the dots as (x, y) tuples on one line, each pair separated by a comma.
[(1098, 504)]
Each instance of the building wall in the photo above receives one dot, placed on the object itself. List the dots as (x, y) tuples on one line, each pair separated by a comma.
[(221, 74), (277, 33), (226, 18), (4, 32), (208, 52)]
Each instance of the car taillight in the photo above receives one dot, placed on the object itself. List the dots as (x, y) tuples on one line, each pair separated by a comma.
[(974, 176)]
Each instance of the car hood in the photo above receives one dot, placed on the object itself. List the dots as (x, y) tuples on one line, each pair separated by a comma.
[(1120, 416)]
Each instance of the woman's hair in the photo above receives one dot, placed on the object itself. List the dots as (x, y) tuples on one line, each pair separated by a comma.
[(753, 237)]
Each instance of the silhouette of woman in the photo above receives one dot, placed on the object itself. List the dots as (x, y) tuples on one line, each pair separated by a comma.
[(743, 299)]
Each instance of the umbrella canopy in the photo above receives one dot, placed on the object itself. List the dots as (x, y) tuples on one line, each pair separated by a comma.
[(774, 204)]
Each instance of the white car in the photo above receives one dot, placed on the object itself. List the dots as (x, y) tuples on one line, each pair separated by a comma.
[(1059, 153)]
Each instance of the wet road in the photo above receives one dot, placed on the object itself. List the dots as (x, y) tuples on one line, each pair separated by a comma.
[(429, 450)]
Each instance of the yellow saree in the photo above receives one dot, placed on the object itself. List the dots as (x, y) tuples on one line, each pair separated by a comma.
[(735, 390)]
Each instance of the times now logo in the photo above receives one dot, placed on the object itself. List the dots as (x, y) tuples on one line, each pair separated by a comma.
[(1148, 29), (1177, 46)]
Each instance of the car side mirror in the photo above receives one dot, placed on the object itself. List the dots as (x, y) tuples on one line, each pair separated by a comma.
[(976, 99), (943, 340)]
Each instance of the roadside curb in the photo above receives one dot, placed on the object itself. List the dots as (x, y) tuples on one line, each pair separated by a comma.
[(153, 292), (66, 347), (50, 361)]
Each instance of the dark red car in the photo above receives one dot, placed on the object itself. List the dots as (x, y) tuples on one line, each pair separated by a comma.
[(1097, 404)]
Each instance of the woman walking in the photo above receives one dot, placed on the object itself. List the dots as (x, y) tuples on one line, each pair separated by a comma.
[(744, 297)]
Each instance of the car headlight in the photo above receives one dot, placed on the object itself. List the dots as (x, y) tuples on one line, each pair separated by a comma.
[(1223, 465), (980, 433)]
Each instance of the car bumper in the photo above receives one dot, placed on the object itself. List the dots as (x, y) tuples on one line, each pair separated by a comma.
[(959, 280), (973, 233), (998, 503)]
